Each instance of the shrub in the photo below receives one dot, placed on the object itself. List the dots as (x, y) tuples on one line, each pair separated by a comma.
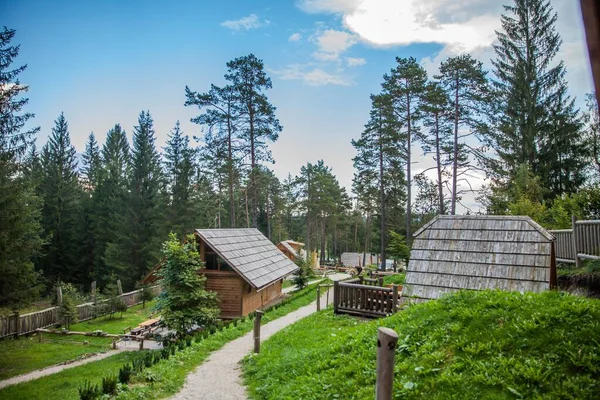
[(109, 385), (180, 344), (165, 353), (188, 341), (148, 359), (125, 374), (300, 277), (89, 391), (173, 349)]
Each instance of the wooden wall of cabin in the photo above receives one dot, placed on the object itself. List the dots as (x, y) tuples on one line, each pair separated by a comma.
[(253, 299), (229, 287)]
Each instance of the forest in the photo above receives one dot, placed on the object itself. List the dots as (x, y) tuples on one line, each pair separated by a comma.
[(103, 214)]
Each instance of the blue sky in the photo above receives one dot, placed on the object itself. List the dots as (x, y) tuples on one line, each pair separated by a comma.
[(103, 62)]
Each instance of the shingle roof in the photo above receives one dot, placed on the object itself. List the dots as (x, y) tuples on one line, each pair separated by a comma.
[(479, 252), (254, 257)]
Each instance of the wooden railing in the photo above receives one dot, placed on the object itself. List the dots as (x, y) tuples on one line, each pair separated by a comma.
[(28, 323), (364, 300), (582, 241)]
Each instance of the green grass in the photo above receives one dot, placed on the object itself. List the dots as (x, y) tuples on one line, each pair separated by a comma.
[(26, 354), (64, 385), (286, 283), (468, 345), (130, 319), (397, 279), (169, 375)]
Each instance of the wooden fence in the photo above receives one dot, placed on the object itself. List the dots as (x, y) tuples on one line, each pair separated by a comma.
[(28, 323), (582, 241), (367, 300)]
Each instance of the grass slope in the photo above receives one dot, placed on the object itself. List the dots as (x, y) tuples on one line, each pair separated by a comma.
[(130, 319), (475, 345), (65, 384)]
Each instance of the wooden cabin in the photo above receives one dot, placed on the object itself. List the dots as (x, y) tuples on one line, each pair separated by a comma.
[(349, 259), (242, 266), (292, 249), (454, 252)]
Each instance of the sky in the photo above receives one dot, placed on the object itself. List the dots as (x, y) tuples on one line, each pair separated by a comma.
[(104, 62)]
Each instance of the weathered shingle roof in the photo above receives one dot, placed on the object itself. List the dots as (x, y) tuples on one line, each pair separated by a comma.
[(479, 252), (250, 254), (289, 247)]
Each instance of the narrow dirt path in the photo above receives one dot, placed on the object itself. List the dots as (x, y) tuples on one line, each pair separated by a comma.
[(219, 377), (56, 368)]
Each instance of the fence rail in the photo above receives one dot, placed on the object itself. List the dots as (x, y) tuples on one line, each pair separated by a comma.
[(28, 323), (582, 241), (364, 300)]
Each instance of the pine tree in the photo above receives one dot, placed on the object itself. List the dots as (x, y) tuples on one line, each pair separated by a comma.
[(221, 117), (405, 86), (110, 199), (180, 172), (135, 248), (258, 123), (91, 164), (592, 118), (19, 206), (379, 154), (61, 195), (537, 122), (465, 83)]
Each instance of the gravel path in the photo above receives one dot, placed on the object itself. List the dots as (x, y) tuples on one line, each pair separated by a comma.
[(56, 368), (218, 378)]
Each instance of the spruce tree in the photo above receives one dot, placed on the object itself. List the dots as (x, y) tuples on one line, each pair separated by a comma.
[(537, 122), (61, 196), (91, 164), (19, 206), (135, 249), (258, 123), (180, 172), (110, 199)]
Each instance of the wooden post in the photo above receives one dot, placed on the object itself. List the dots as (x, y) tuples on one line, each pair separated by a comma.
[(119, 286), (40, 337), (17, 324), (59, 295), (336, 295), (387, 340), (318, 298), (114, 343), (142, 344), (395, 299), (575, 240), (257, 319), (93, 292), (380, 281)]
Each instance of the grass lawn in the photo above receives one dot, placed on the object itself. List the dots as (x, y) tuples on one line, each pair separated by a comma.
[(397, 279), (131, 318), (26, 354), (471, 345), (287, 283), (64, 385), (169, 375)]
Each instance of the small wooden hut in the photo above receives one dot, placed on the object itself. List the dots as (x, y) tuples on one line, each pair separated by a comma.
[(292, 249), (479, 252), (242, 266)]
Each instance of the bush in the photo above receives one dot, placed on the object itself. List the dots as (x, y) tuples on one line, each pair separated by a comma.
[(125, 374), (148, 359), (109, 385), (188, 341), (300, 277), (89, 391)]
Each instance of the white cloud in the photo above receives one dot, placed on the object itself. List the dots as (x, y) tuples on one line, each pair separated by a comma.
[(355, 62), (311, 76), (332, 43), (295, 37), (246, 23)]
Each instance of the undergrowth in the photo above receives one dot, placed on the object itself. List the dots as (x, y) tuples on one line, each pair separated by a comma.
[(471, 345)]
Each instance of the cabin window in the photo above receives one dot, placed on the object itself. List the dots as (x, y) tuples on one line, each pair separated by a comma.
[(216, 263)]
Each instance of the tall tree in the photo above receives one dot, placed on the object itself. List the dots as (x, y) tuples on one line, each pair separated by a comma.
[(221, 114), (135, 248), (61, 196), (536, 122), (466, 85), (379, 153), (437, 139), (111, 199), (592, 118), (19, 206), (405, 85), (258, 123), (91, 163), (180, 171)]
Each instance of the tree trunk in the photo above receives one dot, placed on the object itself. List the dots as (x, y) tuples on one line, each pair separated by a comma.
[(323, 241), (408, 177), (253, 168), (382, 233), (367, 230), (230, 169), (455, 149), (439, 164), (268, 215)]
